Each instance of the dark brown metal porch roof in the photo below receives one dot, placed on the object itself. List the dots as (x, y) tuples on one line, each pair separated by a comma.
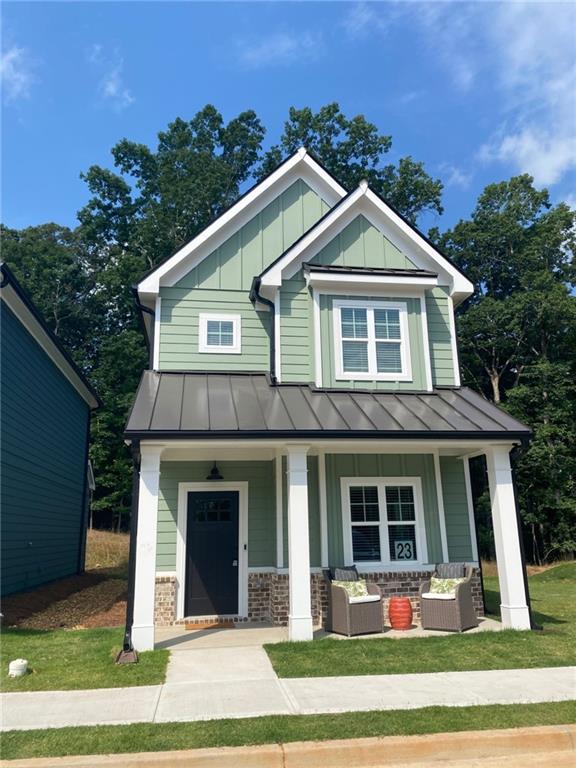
[(212, 405)]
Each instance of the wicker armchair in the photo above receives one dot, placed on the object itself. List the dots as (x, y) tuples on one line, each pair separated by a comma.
[(353, 618), (453, 615)]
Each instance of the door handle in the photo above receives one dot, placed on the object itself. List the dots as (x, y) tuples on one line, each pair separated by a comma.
[(235, 563)]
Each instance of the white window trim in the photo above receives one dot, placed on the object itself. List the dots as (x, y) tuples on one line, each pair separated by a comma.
[(182, 523), (373, 375), (420, 527), (203, 345)]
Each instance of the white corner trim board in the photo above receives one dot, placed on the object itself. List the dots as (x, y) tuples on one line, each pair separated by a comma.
[(181, 525)]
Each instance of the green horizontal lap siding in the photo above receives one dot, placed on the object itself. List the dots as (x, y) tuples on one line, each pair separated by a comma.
[(416, 347), (44, 424), (259, 242), (361, 244), (456, 509), (313, 511), (261, 506), (296, 331), (438, 308), (380, 465), (180, 312)]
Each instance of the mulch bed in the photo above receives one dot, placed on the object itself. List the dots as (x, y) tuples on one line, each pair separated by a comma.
[(90, 599)]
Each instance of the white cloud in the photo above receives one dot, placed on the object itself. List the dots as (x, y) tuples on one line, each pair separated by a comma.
[(280, 49), (112, 88), (16, 73), (455, 176), (362, 19)]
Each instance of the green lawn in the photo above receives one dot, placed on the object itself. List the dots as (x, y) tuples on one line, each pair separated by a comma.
[(154, 737), (67, 659), (553, 595)]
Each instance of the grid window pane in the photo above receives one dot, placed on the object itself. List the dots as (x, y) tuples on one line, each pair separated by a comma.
[(220, 333), (355, 356), (400, 503), (388, 357), (354, 323), (364, 504), (387, 323), (402, 542), (366, 543)]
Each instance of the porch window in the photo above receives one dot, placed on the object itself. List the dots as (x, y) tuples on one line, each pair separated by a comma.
[(384, 523), (371, 340), (219, 333)]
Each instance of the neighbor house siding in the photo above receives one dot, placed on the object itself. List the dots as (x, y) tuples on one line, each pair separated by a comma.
[(180, 312), (361, 244), (44, 429), (456, 509), (261, 506), (380, 465), (438, 308)]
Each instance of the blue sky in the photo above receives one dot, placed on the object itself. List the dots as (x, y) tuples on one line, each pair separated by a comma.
[(478, 91)]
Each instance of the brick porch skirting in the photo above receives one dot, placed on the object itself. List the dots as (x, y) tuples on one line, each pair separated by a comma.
[(268, 599)]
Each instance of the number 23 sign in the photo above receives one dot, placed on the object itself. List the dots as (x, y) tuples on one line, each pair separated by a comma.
[(404, 550)]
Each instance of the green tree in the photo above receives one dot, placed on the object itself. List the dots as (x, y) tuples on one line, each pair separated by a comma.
[(353, 150)]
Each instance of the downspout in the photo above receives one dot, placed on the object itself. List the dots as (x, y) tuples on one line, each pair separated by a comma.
[(85, 503), (128, 655), (515, 455), (148, 311), (256, 297)]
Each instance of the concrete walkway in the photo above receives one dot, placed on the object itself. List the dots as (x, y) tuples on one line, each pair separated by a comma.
[(212, 683)]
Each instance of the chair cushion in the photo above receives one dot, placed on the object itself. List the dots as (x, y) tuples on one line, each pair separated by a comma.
[(344, 573), (353, 588), (451, 570), (443, 586), (364, 599), (439, 595)]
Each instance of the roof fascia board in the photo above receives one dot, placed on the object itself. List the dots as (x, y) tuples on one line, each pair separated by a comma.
[(323, 279), (300, 165), (364, 202), (46, 343)]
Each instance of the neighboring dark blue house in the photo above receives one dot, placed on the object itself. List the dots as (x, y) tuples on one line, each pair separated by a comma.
[(46, 404)]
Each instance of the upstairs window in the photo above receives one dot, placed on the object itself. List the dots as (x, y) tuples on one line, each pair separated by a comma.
[(219, 334), (371, 340)]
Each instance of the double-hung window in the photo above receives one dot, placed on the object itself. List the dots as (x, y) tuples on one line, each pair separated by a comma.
[(371, 340), (219, 333), (383, 521)]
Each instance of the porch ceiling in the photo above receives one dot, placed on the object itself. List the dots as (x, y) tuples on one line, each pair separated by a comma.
[(208, 405)]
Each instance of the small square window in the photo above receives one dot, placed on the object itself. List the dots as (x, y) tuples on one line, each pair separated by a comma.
[(219, 334)]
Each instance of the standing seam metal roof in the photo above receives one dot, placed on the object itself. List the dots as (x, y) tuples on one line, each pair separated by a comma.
[(183, 404)]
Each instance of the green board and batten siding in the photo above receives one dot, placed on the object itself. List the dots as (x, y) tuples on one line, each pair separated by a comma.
[(456, 509), (222, 281), (44, 425)]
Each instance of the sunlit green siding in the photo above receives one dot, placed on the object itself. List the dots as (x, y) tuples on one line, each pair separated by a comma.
[(44, 426), (456, 509), (296, 331), (438, 307)]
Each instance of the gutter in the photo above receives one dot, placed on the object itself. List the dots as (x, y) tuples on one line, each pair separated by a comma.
[(256, 297), (148, 311), (128, 655)]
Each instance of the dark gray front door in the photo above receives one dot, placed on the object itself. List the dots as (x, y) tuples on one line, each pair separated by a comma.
[(212, 553)]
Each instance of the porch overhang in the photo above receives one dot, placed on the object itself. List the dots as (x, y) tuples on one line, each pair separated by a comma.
[(208, 406)]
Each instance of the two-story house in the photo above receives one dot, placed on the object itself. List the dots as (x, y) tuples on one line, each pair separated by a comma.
[(303, 409)]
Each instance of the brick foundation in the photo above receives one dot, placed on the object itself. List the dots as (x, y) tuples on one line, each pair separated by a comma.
[(268, 597)]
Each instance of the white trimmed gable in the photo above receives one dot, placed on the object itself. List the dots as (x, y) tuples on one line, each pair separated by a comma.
[(299, 166), (363, 202)]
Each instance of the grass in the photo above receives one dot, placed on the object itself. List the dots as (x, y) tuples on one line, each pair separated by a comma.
[(553, 595), (72, 659), (154, 737)]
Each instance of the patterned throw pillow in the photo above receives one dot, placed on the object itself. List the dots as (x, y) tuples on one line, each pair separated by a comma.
[(353, 588), (443, 586), (451, 570)]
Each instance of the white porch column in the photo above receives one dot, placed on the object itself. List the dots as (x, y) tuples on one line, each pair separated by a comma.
[(145, 581), (300, 615), (514, 609)]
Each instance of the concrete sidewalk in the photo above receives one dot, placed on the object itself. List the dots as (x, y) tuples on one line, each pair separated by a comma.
[(212, 683)]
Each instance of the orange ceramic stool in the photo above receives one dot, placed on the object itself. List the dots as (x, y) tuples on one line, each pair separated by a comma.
[(400, 613)]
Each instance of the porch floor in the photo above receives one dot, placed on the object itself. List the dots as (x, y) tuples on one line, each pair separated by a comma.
[(245, 635)]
